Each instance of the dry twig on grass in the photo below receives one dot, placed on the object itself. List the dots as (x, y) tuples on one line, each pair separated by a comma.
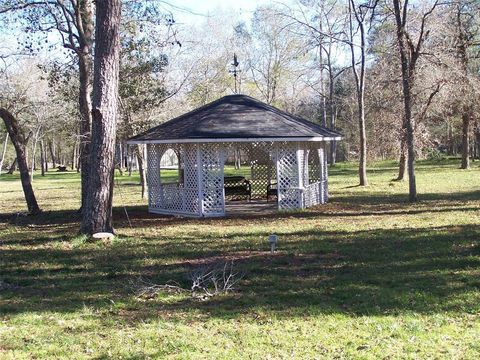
[(207, 281)]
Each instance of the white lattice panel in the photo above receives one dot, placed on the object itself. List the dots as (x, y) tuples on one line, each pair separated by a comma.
[(314, 165), (212, 192), (288, 185), (153, 175), (190, 179), (312, 195)]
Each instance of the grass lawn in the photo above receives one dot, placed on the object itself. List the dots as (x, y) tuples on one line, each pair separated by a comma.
[(366, 276)]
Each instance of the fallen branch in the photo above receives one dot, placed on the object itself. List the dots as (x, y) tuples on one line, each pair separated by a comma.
[(207, 281)]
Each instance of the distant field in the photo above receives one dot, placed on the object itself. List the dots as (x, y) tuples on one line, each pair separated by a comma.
[(367, 275)]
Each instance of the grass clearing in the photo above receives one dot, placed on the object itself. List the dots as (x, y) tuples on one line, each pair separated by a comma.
[(366, 276)]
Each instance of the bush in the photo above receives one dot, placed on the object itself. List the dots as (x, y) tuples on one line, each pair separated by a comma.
[(434, 154)]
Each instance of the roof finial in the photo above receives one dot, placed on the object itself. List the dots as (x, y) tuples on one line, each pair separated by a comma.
[(235, 71)]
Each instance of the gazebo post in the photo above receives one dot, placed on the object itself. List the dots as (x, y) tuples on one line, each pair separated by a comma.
[(200, 179), (300, 186), (323, 172)]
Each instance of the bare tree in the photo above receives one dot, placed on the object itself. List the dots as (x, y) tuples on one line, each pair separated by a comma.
[(409, 52), (19, 141), (360, 12), (73, 21), (325, 29), (464, 14), (97, 215)]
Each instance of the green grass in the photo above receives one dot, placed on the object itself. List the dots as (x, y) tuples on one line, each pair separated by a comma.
[(367, 276)]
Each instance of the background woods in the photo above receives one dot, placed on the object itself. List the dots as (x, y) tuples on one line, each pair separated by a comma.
[(398, 79)]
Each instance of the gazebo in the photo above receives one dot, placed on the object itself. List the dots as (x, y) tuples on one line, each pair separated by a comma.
[(283, 153)]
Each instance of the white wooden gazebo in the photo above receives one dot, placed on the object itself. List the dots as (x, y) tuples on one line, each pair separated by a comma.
[(280, 149)]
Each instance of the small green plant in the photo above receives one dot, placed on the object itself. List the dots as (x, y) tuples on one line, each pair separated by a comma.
[(434, 154)]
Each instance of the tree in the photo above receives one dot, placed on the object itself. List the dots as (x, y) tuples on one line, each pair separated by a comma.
[(142, 86), (360, 14), (322, 23), (466, 32), (19, 141), (72, 20), (409, 52), (97, 216), (275, 57)]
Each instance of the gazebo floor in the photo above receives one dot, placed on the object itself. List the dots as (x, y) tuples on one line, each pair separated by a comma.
[(240, 208)]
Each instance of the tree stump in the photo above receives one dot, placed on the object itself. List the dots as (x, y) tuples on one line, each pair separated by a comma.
[(103, 236)]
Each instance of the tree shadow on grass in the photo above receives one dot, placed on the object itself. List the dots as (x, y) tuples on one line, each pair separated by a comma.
[(352, 205), (358, 273)]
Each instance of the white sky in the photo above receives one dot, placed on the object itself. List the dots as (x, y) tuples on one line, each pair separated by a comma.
[(192, 11)]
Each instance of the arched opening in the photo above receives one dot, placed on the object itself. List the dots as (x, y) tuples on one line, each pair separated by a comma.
[(170, 171)]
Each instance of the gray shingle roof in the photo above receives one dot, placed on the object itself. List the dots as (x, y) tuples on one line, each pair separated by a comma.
[(236, 117)]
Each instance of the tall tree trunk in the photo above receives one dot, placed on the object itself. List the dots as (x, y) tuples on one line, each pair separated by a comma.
[(97, 214), (34, 151), (402, 167), (408, 70), (362, 169), (45, 156), (323, 100), (74, 155), (4, 151), (84, 17), (120, 158), (466, 110), (51, 147), (360, 85), (142, 168), (18, 141), (12, 167), (331, 102), (42, 157), (130, 160), (466, 116), (85, 123), (477, 143)]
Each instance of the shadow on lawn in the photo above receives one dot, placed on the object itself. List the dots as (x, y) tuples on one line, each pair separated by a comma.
[(370, 204), (364, 272), (380, 271)]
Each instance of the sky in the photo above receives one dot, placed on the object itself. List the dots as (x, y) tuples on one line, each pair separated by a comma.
[(192, 11)]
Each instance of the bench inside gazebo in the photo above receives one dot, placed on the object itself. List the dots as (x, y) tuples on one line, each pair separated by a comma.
[(234, 152)]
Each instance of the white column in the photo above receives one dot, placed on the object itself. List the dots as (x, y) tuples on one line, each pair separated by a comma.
[(200, 179), (323, 175), (300, 176)]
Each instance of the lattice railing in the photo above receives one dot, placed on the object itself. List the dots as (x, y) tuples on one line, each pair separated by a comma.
[(313, 194), (173, 198), (176, 199)]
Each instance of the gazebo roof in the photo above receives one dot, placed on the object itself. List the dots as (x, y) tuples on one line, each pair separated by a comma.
[(236, 118)]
